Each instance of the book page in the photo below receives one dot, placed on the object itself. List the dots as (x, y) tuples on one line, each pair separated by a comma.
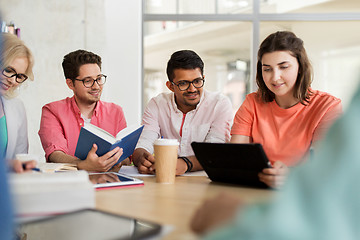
[(49, 193), (34, 179), (100, 133), (126, 131), (56, 167), (133, 172)]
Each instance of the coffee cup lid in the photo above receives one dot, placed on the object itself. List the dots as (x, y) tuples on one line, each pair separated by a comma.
[(166, 142)]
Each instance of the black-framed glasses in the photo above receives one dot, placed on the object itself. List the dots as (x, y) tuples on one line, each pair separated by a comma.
[(184, 85), (10, 72), (89, 82)]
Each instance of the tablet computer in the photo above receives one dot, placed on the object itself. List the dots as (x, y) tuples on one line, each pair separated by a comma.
[(232, 162), (105, 180), (89, 224)]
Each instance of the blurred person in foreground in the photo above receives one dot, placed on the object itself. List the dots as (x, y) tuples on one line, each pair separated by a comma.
[(319, 201)]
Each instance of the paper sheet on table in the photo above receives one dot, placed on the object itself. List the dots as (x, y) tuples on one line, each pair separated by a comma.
[(56, 167), (133, 172)]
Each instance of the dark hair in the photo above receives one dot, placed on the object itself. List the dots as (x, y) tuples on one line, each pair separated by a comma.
[(286, 41), (183, 59), (74, 60)]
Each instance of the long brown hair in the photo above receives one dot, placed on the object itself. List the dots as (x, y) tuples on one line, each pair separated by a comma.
[(286, 41)]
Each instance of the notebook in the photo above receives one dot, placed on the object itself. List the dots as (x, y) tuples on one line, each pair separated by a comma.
[(231, 162)]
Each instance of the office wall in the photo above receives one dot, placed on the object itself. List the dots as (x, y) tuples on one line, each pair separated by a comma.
[(53, 28), (123, 56)]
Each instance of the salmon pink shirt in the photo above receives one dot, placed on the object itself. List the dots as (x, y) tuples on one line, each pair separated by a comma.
[(61, 122), (286, 134)]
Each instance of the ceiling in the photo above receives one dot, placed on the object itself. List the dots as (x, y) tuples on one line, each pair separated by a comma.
[(228, 41)]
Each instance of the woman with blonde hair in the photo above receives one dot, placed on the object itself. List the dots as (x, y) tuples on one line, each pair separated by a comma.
[(16, 67)]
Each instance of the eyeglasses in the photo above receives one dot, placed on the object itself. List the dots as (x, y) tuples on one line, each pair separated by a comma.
[(10, 72), (184, 85), (89, 82)]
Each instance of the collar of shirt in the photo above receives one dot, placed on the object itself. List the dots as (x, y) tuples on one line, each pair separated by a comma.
[(77, 110)]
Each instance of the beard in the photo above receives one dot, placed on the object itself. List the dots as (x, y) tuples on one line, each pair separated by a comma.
[(194, 102), (87, 99)]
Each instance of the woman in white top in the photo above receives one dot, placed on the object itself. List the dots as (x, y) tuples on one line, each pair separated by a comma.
[(16, 67)]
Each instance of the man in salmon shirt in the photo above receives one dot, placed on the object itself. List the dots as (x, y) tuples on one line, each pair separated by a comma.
[(62, 120)]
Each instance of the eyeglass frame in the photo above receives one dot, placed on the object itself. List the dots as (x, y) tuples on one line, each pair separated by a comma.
[(94, 80), (14, 75), (189, 82)]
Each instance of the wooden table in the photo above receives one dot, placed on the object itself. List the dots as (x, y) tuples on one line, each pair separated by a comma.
[(172, 204)]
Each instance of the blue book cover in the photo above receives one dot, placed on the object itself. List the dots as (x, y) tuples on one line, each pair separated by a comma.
[(125, 139)]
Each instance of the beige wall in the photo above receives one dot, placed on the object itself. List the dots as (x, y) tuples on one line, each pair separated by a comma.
[(53, 28)]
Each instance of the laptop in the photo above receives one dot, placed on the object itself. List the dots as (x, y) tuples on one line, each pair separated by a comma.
[(235, 163)]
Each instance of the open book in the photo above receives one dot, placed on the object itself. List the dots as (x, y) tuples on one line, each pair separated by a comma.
[(125, 139), (56, 167), (37, 194)]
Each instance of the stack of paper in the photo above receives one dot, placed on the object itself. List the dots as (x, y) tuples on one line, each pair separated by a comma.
[(51, 193)]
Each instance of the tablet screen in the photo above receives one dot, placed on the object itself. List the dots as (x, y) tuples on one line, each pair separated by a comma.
[(236, 163), (111, 179), (87, 224)]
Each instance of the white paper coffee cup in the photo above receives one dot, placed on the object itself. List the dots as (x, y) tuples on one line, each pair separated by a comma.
[(166, 153)]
